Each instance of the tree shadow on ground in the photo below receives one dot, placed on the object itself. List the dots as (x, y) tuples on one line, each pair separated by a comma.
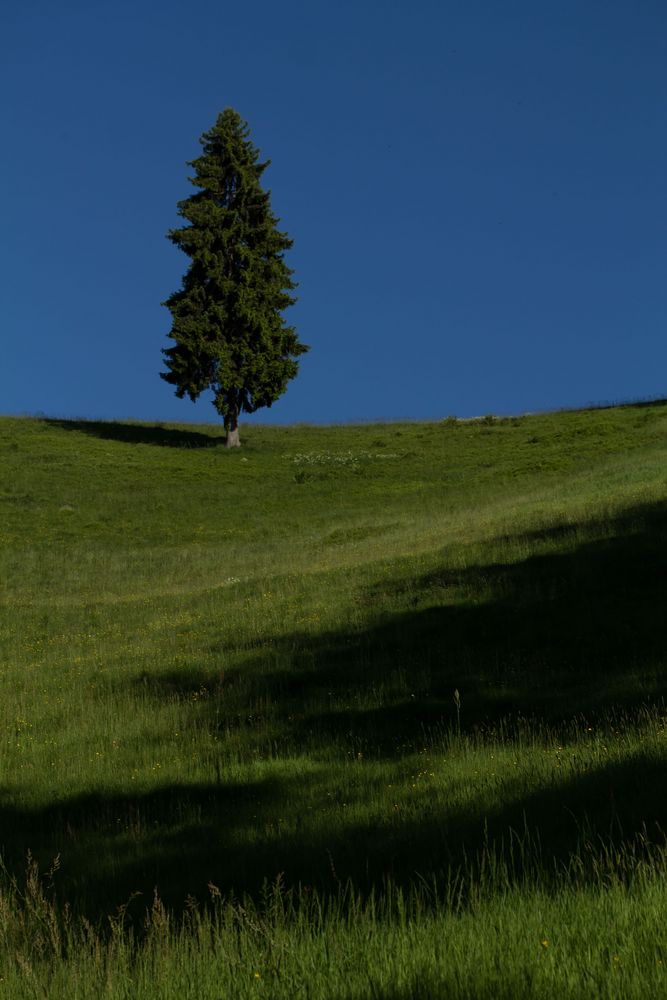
[(152, 434), (176, 837), (180, 839), (577, 631)]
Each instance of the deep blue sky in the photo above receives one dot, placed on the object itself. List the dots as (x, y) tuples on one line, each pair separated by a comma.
[(476, 191)]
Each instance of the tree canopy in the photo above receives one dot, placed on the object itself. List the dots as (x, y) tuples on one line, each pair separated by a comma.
[(227, 325)]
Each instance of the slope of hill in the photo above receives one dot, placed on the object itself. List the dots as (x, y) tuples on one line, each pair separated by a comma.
[(418, 664)]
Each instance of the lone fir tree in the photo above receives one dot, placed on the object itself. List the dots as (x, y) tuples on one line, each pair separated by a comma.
[(228, 330)]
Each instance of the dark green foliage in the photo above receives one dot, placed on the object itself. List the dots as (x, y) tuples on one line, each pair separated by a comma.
[(228, 330)]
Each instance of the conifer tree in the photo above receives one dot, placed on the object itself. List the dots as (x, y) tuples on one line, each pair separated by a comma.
[(227, 325)]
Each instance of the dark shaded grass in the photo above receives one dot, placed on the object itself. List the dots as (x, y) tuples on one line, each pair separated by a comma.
[(195, 836), (151, 434), (582, 631)]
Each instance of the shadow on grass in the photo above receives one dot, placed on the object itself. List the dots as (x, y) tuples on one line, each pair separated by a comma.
[(176, 837), (153, 434), (180, 838), (576, 631)]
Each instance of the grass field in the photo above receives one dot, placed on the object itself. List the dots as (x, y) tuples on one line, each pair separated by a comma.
[(355, 712)]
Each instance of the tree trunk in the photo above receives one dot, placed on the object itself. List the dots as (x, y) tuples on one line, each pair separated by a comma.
[(232, 428), (233, 440)]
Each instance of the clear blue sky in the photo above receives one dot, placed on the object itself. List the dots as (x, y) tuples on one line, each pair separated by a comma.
[(477, 193)]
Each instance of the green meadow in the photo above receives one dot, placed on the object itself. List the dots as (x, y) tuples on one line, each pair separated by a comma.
[(352, 712)]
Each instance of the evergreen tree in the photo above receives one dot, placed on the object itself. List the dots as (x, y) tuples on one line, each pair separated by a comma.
[(228, 330)]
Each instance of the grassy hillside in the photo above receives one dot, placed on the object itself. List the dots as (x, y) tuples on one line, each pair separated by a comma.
[(396, 688)]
